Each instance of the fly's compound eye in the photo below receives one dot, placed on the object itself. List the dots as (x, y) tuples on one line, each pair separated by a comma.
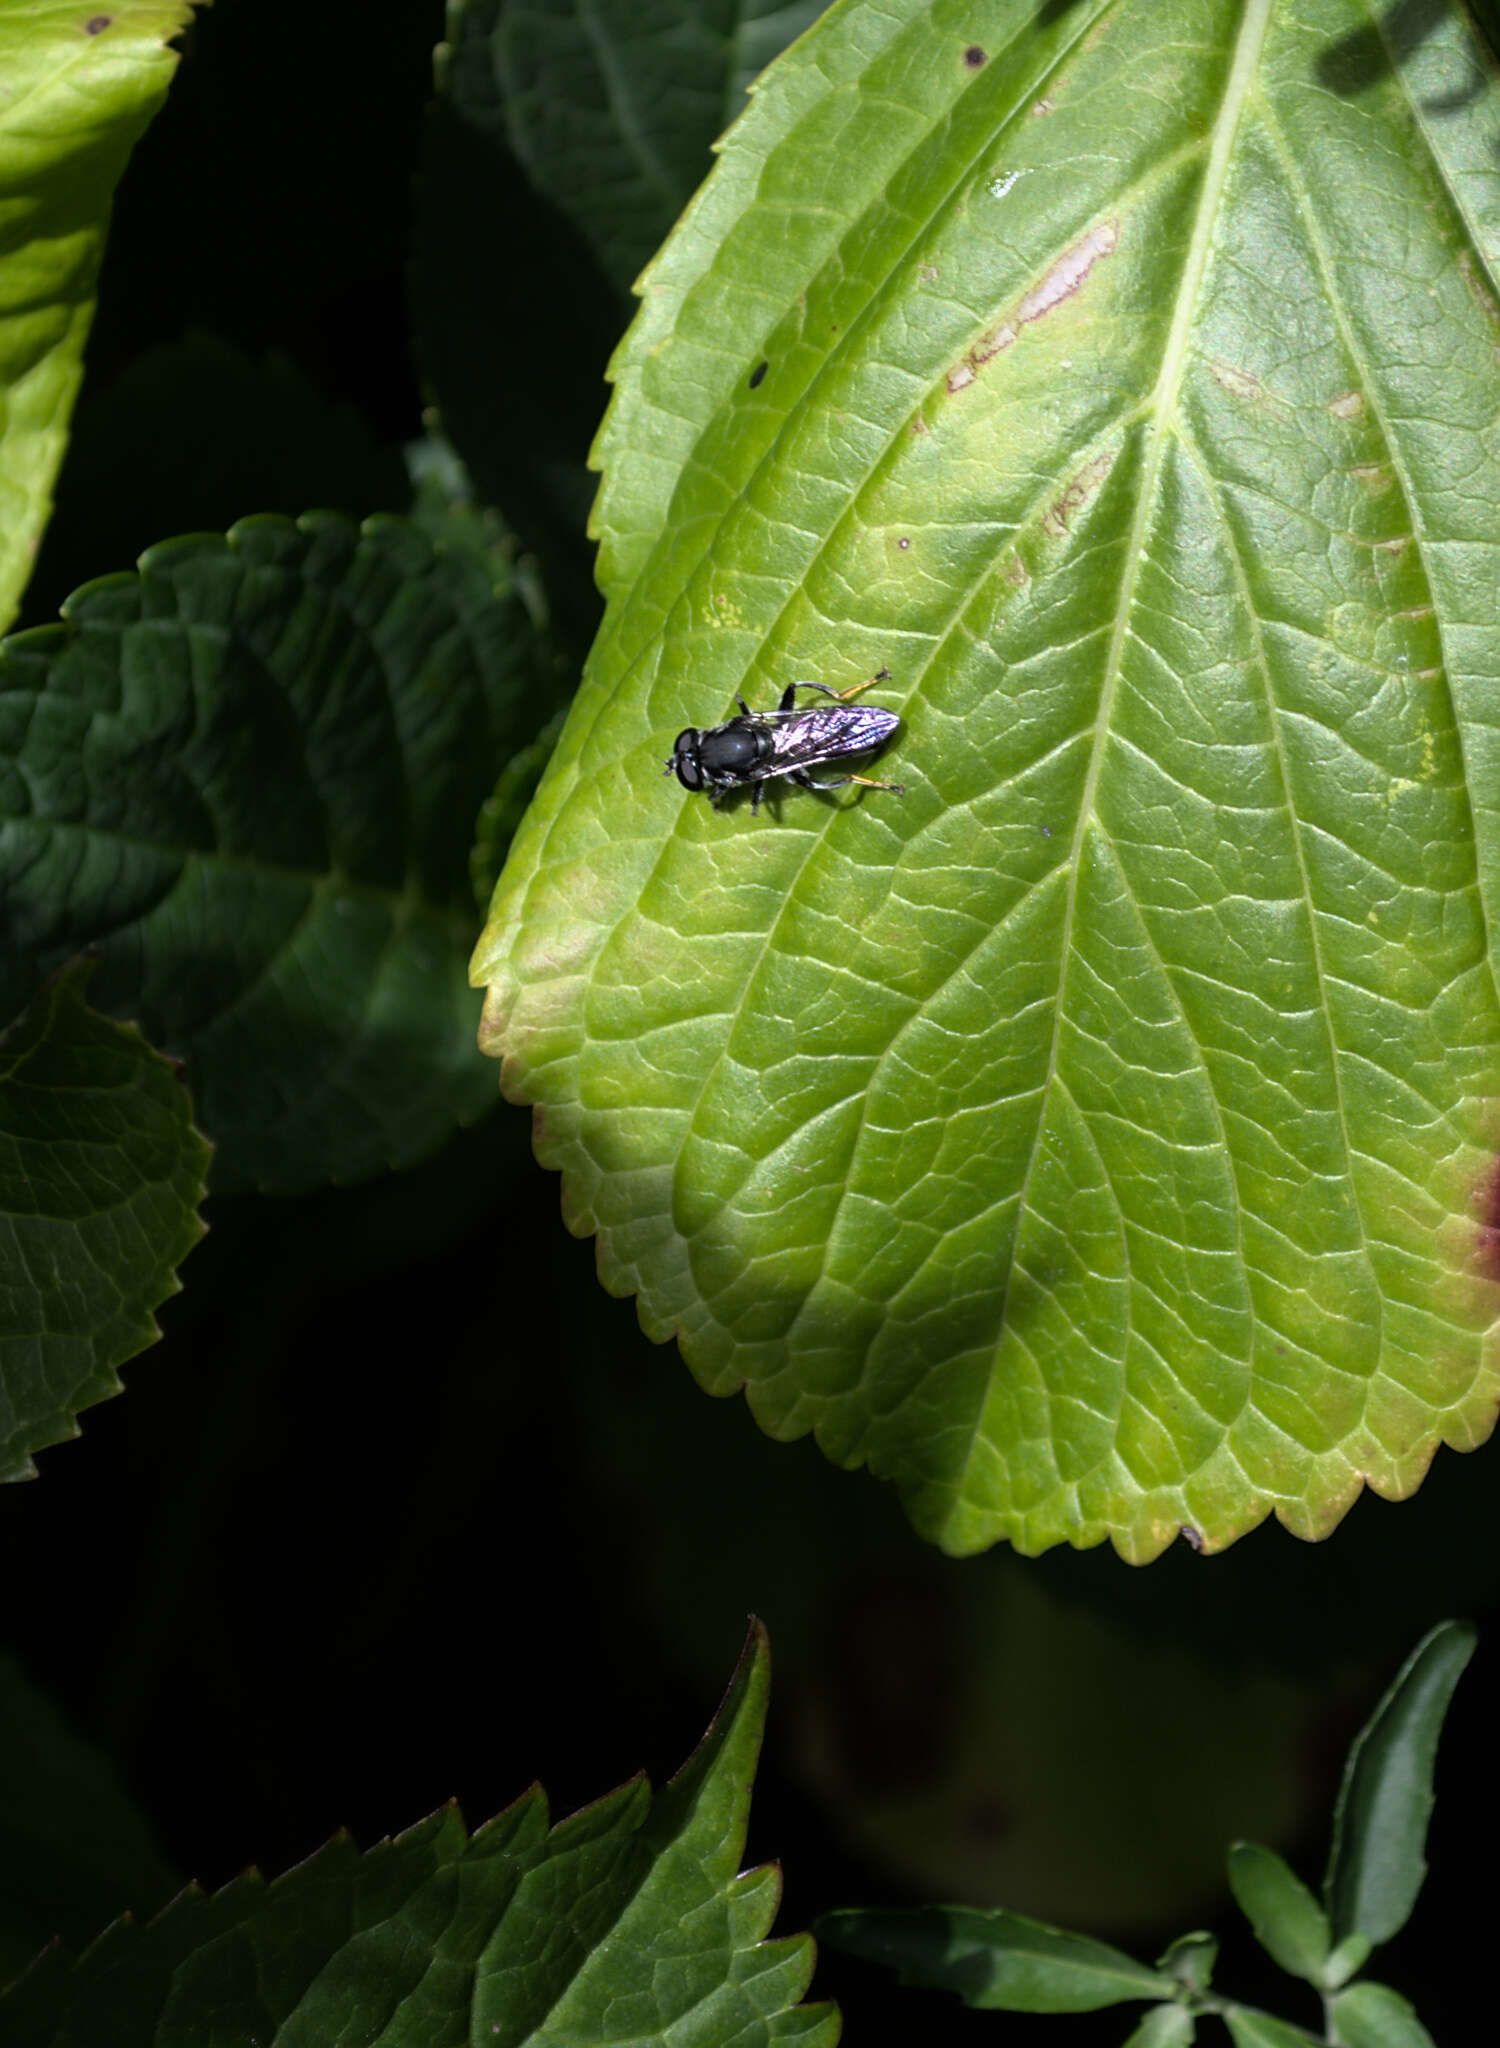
[(685, 759)]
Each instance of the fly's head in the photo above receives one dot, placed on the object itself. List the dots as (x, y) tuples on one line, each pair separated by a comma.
[(720, 756)]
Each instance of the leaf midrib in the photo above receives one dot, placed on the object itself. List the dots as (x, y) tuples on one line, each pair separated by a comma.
[(1242, 73)]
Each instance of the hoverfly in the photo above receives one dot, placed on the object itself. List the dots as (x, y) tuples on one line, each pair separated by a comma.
[(759, 746)]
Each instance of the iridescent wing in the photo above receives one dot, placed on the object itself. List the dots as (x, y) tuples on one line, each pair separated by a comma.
[(799, 739)]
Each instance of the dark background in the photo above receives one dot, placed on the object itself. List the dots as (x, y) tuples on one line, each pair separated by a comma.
[(403, 1508)]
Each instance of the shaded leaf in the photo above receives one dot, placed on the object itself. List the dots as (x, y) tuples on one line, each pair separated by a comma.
[(74, 1850), (1375, 2016), (1377, 1863), (249, 775), (994, 1959), (492, 314), (626, 1920), (1289, 1923), (101, 1174), (1038, 356), (205, 434), (614, 105), (80, 86)]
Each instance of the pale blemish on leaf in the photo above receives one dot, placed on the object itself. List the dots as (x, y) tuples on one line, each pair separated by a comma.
[(1239, 383)]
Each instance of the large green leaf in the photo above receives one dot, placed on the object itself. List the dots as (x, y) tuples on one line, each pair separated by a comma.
[(249, 775), (1096, 1142), (626, 1922), (101, 1174), (80, 84)]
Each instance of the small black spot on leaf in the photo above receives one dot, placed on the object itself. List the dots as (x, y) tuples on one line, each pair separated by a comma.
[(97, 24), (974, 56), (757, 375)]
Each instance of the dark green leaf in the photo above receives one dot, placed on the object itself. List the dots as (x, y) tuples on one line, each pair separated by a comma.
[(995, 1959), (74, 1851), (101, 1174), (1165, 2026), (515, 348), (250, 776), (1289, 1923), (80, 86), (625, 1922), (1374, 2016), (202, 432), (1376, 1864), (992, 1135), (505, 807), (614, 105)]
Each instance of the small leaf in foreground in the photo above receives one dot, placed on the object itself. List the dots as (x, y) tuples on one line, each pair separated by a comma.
[(1251, 2029), (101, 1174), (80, 86), (1377, 1861), (1375, 2016), (629, 1920), (248, 777), (1165, 2026), (1289, 1923), (994, 1959)]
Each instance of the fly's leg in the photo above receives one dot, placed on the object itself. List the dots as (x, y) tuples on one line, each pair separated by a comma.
[(789, 694), (801, 777), (755, 790), (744, 707)]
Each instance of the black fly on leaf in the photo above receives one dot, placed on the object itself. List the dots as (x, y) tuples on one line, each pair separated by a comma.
[(759, 746)]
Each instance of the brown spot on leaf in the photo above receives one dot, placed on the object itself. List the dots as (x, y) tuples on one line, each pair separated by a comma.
[(1068, 272), (97, 24), (1061, 282), (1238, 383), (974, 57), (1041, 107), (1479, 291), (1076, 492), (1487, 1242)]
